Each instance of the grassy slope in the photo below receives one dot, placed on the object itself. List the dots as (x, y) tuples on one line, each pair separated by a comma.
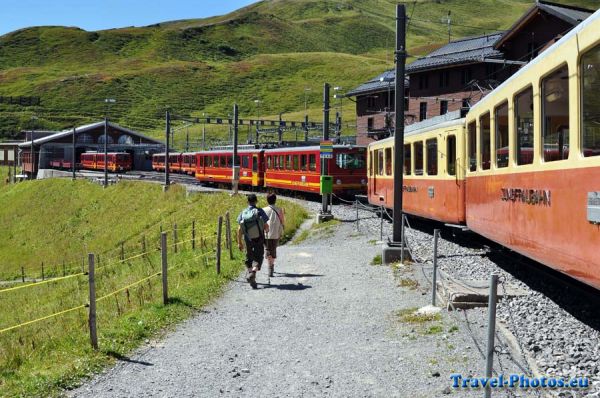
[(42, 358), (271, 50)]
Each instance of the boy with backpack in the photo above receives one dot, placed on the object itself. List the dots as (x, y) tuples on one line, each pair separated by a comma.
[(275, 232), (252, 223)]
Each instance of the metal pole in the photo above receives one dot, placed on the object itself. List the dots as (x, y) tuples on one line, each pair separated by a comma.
[(23, 274), (324, 171), (165, 281), (204, 137), (399, 120), (381, 223), (73, 156), (236, 164), (122, 251), (402, 243), (357, 219), (92, 308), (228, 235), (493, 298), (305, 128), (32, 157), (280, 132), (219, 228), (105, 152), (436, 234), (167, 134), (42, 270)]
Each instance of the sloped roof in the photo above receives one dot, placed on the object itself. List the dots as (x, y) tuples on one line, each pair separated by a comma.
[(83, 129), (570, 14), (468, 50), (377, 84)]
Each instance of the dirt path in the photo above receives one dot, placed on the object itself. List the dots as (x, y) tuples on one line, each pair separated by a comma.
[(326, 326)]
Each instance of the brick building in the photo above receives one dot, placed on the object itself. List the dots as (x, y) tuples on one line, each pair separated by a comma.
[(460, 73)]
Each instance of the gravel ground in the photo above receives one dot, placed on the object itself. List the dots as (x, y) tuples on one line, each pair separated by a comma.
[(558, 330), (327, 325)]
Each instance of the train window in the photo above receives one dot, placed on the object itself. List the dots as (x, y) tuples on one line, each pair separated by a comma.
[(524, 124), (296, 163), (201, 161), (281, 162), (407, 160), (472, 148), (288, 162), (451, 155), (370, 171), (388, 161), (245, 162), (312, 162), (303, 162), (555, 115), (501, 122), (418, 148), (223, 161), (269, 162), (255, 163), (590, 102), (432, 157), (229, 161), (484, 141), (208, 161), (380, 162)]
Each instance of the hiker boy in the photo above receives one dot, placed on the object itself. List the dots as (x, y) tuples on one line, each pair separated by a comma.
[(275, 232), (252, 223)]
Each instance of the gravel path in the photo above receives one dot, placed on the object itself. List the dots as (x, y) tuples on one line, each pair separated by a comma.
[(327, 325)]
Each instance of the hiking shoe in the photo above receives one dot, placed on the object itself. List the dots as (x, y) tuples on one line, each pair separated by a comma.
[(252, 280)]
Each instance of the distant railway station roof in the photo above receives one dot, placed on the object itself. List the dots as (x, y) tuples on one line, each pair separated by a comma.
[(463, 51), (87, 128), (377, 84)]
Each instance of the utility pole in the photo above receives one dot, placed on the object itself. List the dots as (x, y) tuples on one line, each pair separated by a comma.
[(187, 138), (73, 156), (236, 165), (257, 102), (105, 152), (305, 128), (449, 25), (167, 134), (399, 122), (325, 214), (280, 131), (395, 250)]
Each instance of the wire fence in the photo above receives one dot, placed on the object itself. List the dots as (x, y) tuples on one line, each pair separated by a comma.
[(203, 247)]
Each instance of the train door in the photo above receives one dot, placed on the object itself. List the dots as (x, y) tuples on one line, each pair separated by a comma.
[(378, 168), (255, 170)]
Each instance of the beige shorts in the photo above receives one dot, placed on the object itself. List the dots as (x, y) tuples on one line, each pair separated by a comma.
[(271, 248)]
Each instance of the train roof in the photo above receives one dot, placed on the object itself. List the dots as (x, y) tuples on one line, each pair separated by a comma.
[(592, 19), (419, 128), (310, 148)]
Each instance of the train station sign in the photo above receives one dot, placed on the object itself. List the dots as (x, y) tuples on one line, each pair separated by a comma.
[(326, 149)]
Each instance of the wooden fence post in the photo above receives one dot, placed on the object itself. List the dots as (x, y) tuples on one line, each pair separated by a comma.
[(64, 269), (219, 228), (194, 235), (143, 243), (92, 305), (165, 282), (175, 237), (23, 274), (122, 251), (42, 270), (228, 235)]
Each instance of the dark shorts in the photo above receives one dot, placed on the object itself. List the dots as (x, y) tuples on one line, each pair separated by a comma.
[(271, 247)]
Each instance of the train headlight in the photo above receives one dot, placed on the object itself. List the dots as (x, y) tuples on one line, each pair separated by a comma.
[(363, 182), (338, 182)]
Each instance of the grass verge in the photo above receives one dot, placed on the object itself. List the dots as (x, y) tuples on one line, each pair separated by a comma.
[(46, 357)]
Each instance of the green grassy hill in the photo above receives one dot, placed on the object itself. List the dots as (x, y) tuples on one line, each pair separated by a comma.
[(271, 50)]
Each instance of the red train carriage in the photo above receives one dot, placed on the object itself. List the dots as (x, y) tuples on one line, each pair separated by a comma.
[(188, 163), (116, 161), (298, 169), (217, 166), (158, 162)]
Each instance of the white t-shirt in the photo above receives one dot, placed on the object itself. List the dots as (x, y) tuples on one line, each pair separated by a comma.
[(275, 222)]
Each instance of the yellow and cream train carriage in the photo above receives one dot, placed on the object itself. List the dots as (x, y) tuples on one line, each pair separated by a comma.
[(434, 179), (530, 179)]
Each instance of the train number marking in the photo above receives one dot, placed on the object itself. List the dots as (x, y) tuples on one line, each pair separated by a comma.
[(529, 196)]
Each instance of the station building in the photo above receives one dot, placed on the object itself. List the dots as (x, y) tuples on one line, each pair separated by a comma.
[(68, 144)]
